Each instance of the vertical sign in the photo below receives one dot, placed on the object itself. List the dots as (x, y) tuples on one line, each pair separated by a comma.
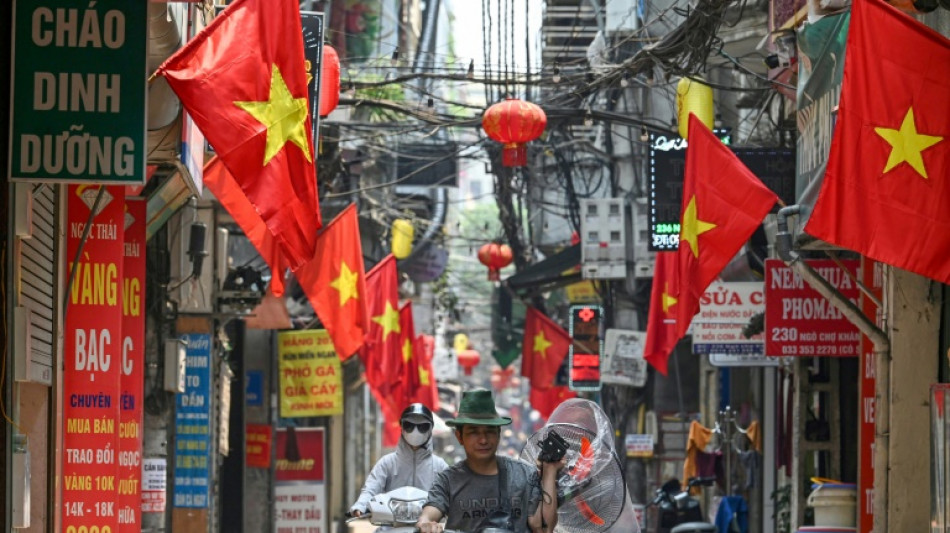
[(586, 347), (153, 485), (872, 274), (92, 350), (258, 441), (312, 25), (132, 376), (79, 83), (193, 426), (801, 322), (192, 140), (310, 383), (300, 495)]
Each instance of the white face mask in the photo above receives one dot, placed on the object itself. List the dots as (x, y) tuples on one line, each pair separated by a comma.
[(416, 438)]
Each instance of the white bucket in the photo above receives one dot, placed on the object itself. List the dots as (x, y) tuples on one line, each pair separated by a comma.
[(834, 505)]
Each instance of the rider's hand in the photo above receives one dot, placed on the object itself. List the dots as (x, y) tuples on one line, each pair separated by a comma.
[(553, 467), (426, 526), (356, 513)]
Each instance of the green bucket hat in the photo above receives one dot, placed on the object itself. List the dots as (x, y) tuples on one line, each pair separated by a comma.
[(477, 408)]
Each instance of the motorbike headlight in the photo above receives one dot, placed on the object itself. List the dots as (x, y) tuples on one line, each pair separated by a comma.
[(406, 510)]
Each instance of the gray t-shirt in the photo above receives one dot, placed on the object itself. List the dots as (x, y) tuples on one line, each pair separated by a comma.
[(470, 501)]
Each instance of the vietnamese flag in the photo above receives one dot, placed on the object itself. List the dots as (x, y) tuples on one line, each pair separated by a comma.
[(243, 81), (403, 370), (723, 204), (226, 189), (427, 393), (662, 333), (382, 334), (887, 186), (545, 401), (543, 348), (334, 282)]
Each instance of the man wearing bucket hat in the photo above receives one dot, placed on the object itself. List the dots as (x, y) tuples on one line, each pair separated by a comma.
[(486, 490)]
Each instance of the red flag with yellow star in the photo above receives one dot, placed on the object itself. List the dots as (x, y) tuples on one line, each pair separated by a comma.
[(545, 401), (243, 81), (723, 204), (382, 335), (427, 393), (543, 349), (335, 283), (887, 186), (662, 333)]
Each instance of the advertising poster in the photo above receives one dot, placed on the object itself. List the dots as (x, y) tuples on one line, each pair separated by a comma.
[(300, 500), (258, 445), (131, 375), (801, 322), (92, 351), (872, 275), (153, 484), (310, 381), (193, 425)]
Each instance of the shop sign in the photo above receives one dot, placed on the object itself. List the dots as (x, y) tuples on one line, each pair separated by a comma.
[(258, 438), (192, 425), (131, 377), (153, 485), (801, 322), (639, 445), (872, 274), (300, 496), (310, 378), (623, 362), (92, 349), (724, 309), (79, 83)]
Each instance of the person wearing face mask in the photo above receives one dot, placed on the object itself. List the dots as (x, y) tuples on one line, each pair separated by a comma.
[(412, 464)]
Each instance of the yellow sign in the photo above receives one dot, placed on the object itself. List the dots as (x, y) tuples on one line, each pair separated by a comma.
[(310, 378)]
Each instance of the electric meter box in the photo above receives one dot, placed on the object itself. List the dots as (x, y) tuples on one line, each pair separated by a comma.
[(603, 239)]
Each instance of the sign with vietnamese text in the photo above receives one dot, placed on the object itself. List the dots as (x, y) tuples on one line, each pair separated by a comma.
[(79, 82), (724, 308), (153, 484), (131, 377), (193, 425), (872, 275), (801, 322), (300, 501), (310, 381), (92, 358), (639, 445), (258, 443), (623, 362)]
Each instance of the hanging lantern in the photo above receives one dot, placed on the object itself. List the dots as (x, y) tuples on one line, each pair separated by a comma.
[(460, 342), (502, 379), (495, 256), (468, 359), (513, 123), (402, 235), (329, 81), (696, 98)]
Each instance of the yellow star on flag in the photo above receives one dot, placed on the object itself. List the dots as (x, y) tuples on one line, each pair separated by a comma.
[(407, 350), (284, 116), (541, 344), (389, 320), (423, 376), (345, 283), (668, 300), (692, 227), (907, 144)]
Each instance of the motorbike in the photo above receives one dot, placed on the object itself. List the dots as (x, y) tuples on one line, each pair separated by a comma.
[(680, 512), (395, 511)]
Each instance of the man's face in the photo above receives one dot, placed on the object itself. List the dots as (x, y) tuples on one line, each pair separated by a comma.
[(480, 442)]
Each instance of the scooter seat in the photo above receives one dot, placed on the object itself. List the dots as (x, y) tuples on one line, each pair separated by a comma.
[(694, 527)]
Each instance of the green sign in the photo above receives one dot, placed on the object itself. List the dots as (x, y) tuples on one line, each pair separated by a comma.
[(79, 83)]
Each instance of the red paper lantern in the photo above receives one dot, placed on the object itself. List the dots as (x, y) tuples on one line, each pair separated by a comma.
[(502, 379), (513, 123), (468, 359), (329, 81), (495, 256)]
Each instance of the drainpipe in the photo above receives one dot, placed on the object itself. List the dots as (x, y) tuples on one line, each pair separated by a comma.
[(882, 348)]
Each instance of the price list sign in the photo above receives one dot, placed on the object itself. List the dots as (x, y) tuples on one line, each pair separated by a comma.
[(92, 352)]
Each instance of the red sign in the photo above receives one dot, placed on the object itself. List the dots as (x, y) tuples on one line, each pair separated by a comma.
[(299, 454), (801, 322), (132, 377), (92, 352), (872, 274), (258, 444)]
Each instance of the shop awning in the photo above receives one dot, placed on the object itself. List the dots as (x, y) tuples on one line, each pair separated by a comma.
[(554, 271)]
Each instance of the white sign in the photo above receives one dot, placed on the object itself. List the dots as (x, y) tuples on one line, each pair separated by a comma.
[(622, 361), (724, 309), (639, 445), (742, 359), (153, 484), (300, 507)]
